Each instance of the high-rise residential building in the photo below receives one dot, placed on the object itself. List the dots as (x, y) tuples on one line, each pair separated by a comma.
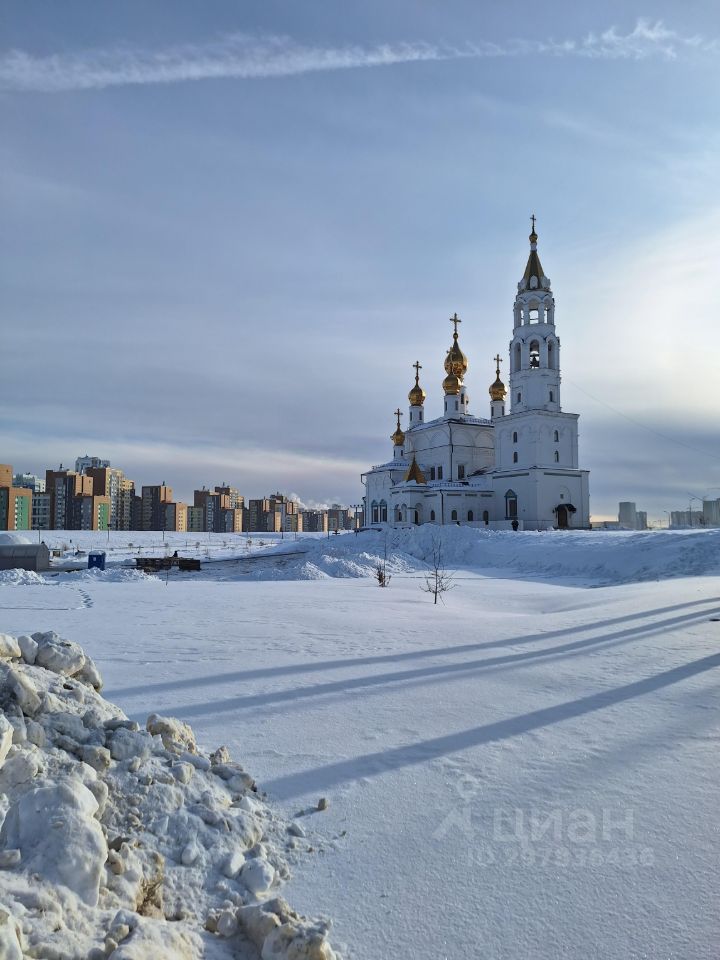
[(175, 517), (30, 481), (63, 486), (90, 512), (274, 514), (83, 464), (642, 521), (711, 513), (235, 499), (627, 515), (682, 519), (40, 510), (15, 502), (195, 519), (112, 482), (154, 499), (314, 521)]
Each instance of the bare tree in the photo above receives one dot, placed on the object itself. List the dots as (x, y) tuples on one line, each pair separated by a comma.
[(381, 575), (438, 580)]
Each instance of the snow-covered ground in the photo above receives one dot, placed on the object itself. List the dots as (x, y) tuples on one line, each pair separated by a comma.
[(527, 771)]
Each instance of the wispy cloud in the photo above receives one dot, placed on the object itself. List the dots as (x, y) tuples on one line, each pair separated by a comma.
[(244, 57)]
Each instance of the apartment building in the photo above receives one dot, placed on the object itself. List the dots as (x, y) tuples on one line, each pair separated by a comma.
[(154, 499), (111, 482)]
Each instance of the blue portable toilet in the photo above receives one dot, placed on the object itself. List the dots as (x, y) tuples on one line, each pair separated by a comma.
[(96, 558)]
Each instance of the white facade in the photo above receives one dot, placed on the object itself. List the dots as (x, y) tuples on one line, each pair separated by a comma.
[(518, 468)]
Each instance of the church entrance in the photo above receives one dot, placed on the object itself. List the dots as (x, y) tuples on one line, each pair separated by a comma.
[(563, 517)]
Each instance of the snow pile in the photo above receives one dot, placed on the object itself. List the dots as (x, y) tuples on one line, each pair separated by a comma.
[(22, 578), (592, 556), (124, 843)]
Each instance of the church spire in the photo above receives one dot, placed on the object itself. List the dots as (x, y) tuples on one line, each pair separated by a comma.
[(416, 397), (534, 277), (497, 391), (456, 365), (398, 438)]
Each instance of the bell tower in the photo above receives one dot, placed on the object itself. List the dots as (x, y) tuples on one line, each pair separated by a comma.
[(535, 347)]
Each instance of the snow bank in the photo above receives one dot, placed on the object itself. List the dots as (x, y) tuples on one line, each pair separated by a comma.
[(592, 556), (129, 844)]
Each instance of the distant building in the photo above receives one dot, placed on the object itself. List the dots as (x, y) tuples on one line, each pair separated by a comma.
[(30, 481), (642, 520), (686, 519), (175, 517), (195, 519), (15, 502), (63, 486), (314, 521), (15, 508), (83, 464), (154, 499), (90, 512), (711, 513), (40, 510), (627, 515), (274, 514), (111, 482)]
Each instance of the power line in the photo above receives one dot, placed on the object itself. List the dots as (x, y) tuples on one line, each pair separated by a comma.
[(643, 426)]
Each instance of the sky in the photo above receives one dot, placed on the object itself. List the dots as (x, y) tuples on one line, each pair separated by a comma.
[(229, 229)]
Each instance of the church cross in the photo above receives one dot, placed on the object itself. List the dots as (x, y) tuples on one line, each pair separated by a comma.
[(398, 414), (498, 360), (418, 367), (456, 320), (533, 222)]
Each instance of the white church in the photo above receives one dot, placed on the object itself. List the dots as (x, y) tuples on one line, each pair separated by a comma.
[(516, 470)]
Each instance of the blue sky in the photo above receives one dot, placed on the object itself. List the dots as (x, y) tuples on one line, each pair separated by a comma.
[(229, 228)]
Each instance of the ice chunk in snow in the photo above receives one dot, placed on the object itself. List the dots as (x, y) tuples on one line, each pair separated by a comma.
[(176, 735), (8, 646), (54, 828), (6, 737), (58, 655), (10, 947)]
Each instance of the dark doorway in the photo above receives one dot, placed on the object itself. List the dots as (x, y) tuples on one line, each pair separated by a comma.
[(563, 518)]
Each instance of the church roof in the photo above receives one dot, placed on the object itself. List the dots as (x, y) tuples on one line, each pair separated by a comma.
[(414, 473), (534, 267)]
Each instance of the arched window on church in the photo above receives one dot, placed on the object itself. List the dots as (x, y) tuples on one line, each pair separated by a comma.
[(519, 397), (557, 457), (510, 505), (432, 516), (534, 315), (453, 515), (551, 355), (518, 358), (552, 397), (383, 511), (556, 436), (534, 355), (515, 457), (375, 513), (470, 516), (486, 517), (514, 436)]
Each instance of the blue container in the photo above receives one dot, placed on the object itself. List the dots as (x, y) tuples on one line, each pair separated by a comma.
[(96, 558)]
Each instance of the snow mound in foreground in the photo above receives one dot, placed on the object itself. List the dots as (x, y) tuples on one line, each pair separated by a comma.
[(124, 843), (21, 578)]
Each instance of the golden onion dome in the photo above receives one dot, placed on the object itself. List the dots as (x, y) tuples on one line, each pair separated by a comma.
[(417, 394), (456, 362), (497, 390), (451, 384), (398, 438)]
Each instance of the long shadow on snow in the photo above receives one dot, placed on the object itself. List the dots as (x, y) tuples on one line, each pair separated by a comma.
[(438, 670), (321, 665), (375, 764)]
